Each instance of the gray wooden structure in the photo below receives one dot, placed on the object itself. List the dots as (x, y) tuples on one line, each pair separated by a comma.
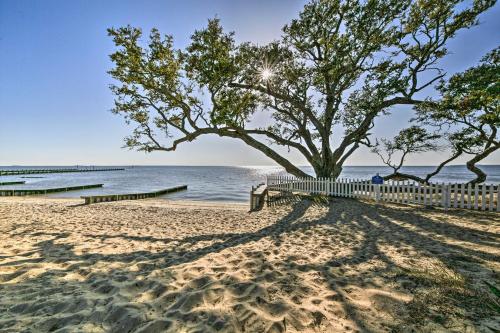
[(130, 196), (21, 192), (257, 196)]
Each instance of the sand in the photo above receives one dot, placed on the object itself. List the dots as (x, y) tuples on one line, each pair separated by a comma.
[(170, 266)]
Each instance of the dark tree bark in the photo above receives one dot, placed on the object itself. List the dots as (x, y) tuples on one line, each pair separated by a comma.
[(441, 166), (471, 164), (402, 175)]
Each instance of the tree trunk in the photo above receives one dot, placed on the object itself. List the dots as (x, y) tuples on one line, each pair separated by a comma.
[(471, 164), (441, 166), (480, 175), (404, 175)]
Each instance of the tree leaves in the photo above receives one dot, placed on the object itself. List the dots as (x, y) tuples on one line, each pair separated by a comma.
[(411, 140), (339, 65)]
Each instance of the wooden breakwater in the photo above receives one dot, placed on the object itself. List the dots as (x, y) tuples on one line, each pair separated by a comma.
[(130, 196), (12, 183), (21, 192), (38, 171)]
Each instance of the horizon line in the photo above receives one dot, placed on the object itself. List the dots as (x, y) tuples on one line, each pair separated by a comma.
[(209, 165)]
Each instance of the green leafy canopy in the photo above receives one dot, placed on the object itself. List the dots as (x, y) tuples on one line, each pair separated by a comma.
[(336, 68)]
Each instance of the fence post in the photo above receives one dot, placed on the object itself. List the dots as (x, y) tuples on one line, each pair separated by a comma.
[(491, 198), (446, 196), (476, 196), (469, 196), (498, 198), (483, 197), (251, 198), (448, 202), (377, 192)]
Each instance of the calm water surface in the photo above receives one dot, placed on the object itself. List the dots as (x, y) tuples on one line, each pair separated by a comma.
[(208, 183)]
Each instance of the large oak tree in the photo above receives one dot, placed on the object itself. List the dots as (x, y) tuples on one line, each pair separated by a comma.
[(337, 67)]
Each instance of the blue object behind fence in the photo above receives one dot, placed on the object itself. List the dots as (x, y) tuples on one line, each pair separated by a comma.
[(377, 179)]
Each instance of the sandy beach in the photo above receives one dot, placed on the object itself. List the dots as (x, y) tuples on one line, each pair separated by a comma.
[(176, 266)]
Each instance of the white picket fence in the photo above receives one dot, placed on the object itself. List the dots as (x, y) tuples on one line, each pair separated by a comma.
[(479, 197)]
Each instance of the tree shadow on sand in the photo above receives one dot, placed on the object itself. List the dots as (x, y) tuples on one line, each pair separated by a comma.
[(334, 267)]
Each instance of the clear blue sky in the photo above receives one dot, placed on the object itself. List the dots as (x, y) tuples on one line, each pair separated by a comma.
[(54, 96)]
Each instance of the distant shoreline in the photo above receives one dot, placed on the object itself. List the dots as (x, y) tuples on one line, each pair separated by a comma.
[(217, 166)]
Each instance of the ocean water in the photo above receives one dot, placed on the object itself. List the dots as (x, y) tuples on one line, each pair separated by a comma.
[(207, 183)]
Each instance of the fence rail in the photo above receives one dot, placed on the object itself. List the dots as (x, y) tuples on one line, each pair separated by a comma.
[(478, 197)]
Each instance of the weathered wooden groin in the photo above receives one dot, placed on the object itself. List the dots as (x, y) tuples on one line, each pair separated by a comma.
[(12, 183), (38, 171), (130, 196), (22, 192)]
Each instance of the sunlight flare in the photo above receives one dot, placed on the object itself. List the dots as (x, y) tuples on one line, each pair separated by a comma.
[(266, 74)]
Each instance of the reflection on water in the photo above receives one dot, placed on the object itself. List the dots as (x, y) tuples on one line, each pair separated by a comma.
[(206, 182)]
